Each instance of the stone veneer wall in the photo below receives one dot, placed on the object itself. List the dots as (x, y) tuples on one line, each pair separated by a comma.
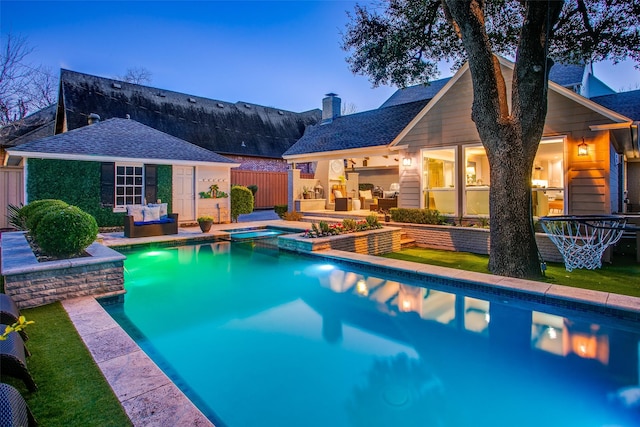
[(31, 283), (468, 239), (372, 242), (44, 287)]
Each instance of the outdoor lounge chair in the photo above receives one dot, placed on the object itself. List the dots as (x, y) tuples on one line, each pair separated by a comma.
[(9, 313), (13, 409), (13, 359)]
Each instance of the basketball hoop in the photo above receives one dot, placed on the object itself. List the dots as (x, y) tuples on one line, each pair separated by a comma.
[(582, 240)]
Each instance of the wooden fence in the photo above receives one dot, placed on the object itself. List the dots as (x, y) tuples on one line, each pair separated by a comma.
[(272, 186), (11, 191)]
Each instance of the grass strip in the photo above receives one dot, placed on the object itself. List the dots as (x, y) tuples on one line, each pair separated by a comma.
[(619, 277), (71, 389)]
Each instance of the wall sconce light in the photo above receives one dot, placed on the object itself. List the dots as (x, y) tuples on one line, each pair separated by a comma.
[(583, 149), (406, 161)]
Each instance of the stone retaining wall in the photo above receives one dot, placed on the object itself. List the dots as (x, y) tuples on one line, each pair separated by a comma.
[(468, 239), (371, 242), (31, 283)]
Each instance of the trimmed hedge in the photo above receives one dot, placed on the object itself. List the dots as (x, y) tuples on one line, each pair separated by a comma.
[(241, 201), (44, 209), (417, 216), (66, 232)]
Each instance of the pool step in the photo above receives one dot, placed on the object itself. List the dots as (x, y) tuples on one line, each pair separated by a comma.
[(406, 241)]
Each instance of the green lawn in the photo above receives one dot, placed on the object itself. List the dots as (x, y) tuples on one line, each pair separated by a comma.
[(620, 277), (71, 389)]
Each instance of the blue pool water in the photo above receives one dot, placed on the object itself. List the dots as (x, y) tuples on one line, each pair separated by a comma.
[(258, 337)]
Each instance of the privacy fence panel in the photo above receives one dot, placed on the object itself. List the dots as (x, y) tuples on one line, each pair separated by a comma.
[(272, 186), (11, 191)]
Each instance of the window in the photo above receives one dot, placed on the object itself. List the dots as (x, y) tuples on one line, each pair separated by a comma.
[(129, 184), (476, 181), (439, 180)]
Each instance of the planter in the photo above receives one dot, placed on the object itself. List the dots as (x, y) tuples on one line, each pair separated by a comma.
[(205, 226), (370, 242), (31, 283)]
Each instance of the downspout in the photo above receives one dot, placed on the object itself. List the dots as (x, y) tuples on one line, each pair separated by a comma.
[(634, 138)]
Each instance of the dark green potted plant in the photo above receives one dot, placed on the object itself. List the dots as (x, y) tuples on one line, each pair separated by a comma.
[(205, 223)]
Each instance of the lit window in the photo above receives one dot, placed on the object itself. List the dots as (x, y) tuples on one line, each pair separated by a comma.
[(129, 184), (439, 179)]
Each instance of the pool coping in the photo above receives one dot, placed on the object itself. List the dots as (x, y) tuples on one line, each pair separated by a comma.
[(149, 397)]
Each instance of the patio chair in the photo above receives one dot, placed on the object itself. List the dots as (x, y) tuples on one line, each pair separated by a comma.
[(9, 313), (13, 409), (13, 359)]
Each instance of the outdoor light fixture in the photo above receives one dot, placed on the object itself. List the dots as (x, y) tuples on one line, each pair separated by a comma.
[(406, 161), (583, 148)]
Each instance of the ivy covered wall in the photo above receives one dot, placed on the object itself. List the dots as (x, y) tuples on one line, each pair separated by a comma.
[(78, 183)]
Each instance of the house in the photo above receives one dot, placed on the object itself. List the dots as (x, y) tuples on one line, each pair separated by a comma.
[(109, 164), (436, 159)]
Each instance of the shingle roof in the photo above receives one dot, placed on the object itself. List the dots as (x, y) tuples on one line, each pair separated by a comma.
[(366, 129), (34, 126), (228, 128), (625, 103), (415, 93), (566, 74), (121, 138)]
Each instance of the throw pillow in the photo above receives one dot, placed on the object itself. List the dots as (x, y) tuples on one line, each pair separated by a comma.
[(389, 194), (163, 209), (151, 213), (136, 212), (337, 193), (366, 194)]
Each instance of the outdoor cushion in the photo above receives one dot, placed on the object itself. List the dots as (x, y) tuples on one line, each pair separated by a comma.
[(150, 213), (158, 221), (366, 194), (163, 208), (337, 194), (390, 194), (136, 212)]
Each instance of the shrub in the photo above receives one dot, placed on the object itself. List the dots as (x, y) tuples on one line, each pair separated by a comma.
[(41, 209), (417, 216), (253, 188), (26, 210), (281, 209), (241, 201), (15, 218), (66, 232)]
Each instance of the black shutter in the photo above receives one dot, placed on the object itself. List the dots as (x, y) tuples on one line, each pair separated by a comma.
[(151, 183), (107, 184)]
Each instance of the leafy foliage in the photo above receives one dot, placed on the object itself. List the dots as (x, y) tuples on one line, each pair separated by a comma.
[(66, 232), (42, 208), (241, 201), (15, 327), (323, 228), (280, 210), (417, 216)]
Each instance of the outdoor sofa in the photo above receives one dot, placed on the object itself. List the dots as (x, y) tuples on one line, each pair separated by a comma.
[(149, 220)]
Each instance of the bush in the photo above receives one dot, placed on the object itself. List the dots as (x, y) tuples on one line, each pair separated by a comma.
[(37, 210), (292, 216), (417, 216), (66, 232), (281, 210), (241, 201)]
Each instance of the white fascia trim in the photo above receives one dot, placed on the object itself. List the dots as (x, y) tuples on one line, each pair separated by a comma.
[(611, 126), (430, 104), (330, 155), (86, 157)]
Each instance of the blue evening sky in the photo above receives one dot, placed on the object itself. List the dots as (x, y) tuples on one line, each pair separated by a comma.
[(284, 54)]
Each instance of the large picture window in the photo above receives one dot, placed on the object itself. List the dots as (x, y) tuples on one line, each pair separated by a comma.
[(439, 180), (129, 184)]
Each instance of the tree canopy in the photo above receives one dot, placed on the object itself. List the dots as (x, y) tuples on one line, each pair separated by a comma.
[(403, 42)]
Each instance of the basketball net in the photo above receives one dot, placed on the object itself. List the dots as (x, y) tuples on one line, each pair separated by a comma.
[(583, 240)]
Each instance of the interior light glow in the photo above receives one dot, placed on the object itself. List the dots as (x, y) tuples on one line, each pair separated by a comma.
[(553, 334), (362, 288)]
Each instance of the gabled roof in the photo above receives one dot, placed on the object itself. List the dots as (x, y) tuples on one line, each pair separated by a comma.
[(415, 93), (625, 103), (360, 130), (228, 128), (34, 126), (118, 139)]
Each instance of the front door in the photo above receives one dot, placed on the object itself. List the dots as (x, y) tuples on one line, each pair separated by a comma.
[(184, 193)]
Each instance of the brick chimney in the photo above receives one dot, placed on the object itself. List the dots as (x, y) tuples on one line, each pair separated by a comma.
[(330, 107)]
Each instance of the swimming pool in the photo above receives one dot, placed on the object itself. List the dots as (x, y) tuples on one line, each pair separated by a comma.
[(255, 336)]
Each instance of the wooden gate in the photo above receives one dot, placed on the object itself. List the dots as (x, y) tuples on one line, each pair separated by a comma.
[(11, 191)]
